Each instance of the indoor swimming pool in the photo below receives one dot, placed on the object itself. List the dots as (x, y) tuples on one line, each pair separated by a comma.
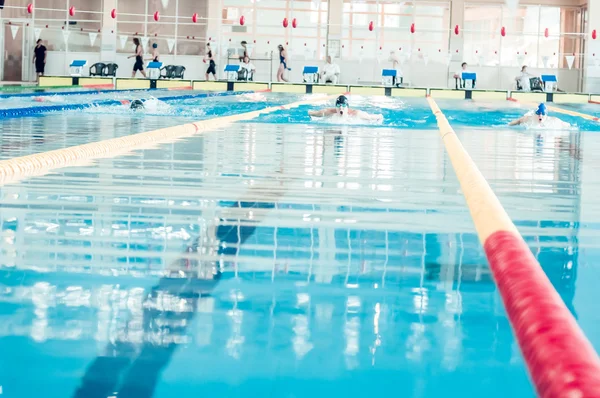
[(281, 256)]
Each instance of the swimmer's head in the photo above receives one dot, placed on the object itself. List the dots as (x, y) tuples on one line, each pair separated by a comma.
[(541, 112), (154, 45), (136, 105), (342, 105)]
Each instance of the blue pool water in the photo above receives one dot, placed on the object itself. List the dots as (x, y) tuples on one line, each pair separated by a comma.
[(281, 256)]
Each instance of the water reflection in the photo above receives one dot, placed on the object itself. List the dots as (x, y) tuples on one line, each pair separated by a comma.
[(265, 255)]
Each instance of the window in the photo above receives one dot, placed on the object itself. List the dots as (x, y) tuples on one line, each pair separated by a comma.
[(265, 31), (392, 22), (525, 42)]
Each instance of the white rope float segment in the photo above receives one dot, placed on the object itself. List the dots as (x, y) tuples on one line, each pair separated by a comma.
[(16, 169)]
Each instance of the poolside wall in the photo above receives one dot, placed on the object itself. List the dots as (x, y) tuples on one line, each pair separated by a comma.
[(434, 74)]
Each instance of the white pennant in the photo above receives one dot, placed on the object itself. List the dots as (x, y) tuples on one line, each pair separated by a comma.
[(307, 53), (448, 59), (379, 55), (145, 42), (425, 59), (14, 29), (66, 35), (37, 32), (171, 44), (165, 3), (520, 59), (93, 36), (596, 62), (545, 59), (250, 49), (480, 60), (123, 39), (570, 59)]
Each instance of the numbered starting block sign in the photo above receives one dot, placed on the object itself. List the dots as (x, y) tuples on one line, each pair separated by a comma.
[(468, 80), (388, 77), (154, 70), (231, 71), (310, 74), (76, 67), (550, 83)]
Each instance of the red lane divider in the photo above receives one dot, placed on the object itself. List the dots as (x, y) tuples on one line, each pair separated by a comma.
[(561, 360)]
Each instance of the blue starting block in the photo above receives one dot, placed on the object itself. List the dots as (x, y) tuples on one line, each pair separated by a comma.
[(310, 74), (76, 67), (550, 83), (388, 77), (232, 71), (468, 80), (154, 69)]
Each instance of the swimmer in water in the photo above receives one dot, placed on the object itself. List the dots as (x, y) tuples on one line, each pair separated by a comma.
[(136, 105), (150, 104), (342, 109), (540, 117)]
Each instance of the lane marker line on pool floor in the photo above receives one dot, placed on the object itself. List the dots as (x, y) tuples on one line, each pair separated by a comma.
[(561, 360), (16, 169)]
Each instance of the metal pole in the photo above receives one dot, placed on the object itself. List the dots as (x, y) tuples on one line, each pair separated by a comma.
[(499, 68), (538, 37), (33, 37), (66, 36), (146, 21), (271, 74), (379, 29), (176, 27), (2, 29)]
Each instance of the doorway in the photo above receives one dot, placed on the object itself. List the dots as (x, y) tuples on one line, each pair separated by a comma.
[(12, 49)]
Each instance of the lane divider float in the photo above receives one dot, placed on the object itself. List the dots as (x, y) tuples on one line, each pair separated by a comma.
[(554, 108), (20, 112), (16, 169), (561, 360)]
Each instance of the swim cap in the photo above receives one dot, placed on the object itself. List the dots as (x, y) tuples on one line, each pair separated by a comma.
[(154, 45), (541, 110), (136, 104), (341, 101)]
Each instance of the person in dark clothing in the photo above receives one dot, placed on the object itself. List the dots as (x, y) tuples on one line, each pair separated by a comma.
[(212, 67), (155, 54), (39, 58), (245, 54), (139, 58)]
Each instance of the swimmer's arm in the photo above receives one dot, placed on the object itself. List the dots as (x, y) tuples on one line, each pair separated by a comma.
[(322, 112), (368, 116), (517, 122)]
